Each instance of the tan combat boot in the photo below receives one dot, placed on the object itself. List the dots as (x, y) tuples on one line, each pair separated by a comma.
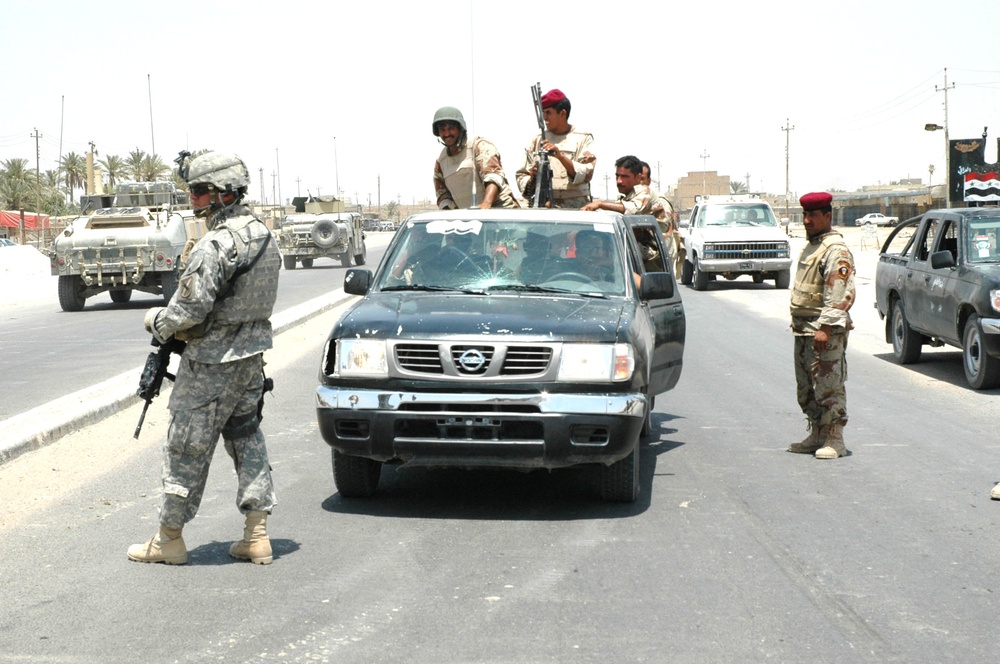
[(810, 443), (833, 442), (167, 546), (255, 545)]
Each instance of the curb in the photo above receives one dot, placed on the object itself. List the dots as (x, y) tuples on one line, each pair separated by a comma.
[(48, 423)]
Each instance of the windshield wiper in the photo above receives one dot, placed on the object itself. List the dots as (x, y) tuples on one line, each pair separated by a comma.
[(437, 289), (534, 288)]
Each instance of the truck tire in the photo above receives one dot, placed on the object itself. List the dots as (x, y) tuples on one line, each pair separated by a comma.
[(647, 422), (307, 262), (359, 259), (121, 296), (699, 279), (687, 272), (169, 282), (782, 280), (355, 477), (71, 293), (325, 233), (289, 262), (981, 369), (906, 342), (348, 256), (620, 480)]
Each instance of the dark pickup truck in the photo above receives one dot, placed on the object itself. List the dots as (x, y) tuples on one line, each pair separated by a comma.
[(938, 282), (503, 338)]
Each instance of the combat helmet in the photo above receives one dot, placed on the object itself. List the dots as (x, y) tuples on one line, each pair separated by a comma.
[(223, 170), (448, 113)]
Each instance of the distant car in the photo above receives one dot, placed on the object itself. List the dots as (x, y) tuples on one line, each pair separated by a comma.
[(7, 242), (386, 226), (876, 219)]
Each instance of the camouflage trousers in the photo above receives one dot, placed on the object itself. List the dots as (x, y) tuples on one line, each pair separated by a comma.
[(209, 400), (820, 378)]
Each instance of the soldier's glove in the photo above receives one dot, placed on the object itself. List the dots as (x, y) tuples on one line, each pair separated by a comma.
[(150, 320)]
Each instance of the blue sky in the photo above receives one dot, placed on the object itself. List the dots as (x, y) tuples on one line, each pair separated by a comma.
[(287, 85)]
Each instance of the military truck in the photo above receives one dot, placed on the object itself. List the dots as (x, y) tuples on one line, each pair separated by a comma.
[(131, 241), (321, 229)]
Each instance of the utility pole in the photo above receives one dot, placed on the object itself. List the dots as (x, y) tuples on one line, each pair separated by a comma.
[(704, 165), (947, 142), (262, 199), (748, 183), (38, 188), (787, 129), (91, 186), (277, 165), (298, 187), (336, 168)]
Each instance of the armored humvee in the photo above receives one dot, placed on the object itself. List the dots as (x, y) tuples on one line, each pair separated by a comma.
[(322, 229), (131, 241)]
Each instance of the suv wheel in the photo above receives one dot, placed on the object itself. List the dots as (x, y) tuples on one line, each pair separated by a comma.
[(906, 342), (355, 477), (687, 272), (620, 480), (982, 370), (698, 277)]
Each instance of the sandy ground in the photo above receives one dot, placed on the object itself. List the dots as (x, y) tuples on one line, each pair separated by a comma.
[(25, 276)]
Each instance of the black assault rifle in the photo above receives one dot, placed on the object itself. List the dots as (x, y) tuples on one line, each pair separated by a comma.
[(543, 176), (154, 372)]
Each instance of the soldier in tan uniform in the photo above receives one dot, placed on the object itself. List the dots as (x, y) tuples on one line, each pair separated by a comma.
[(571, 156), (662, 210), (633, 196), (467, 174), (821, 300), (222, 309)]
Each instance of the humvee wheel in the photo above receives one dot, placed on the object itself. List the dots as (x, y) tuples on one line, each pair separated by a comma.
[(121, 296), (307, 262), (289, 262), (348, 255), (359, 259), (71, 293)]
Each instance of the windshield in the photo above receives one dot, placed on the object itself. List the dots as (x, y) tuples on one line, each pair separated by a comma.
[(753, 214), (480, 256), (982, 242)]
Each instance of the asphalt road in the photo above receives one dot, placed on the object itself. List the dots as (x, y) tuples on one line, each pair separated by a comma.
[(736, 551), (49, 353)]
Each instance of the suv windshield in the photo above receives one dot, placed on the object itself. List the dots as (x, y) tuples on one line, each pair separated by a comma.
[(503, 255), (756, 214)]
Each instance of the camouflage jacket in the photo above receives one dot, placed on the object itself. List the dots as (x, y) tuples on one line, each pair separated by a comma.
[(637, 201), (453, 176), (223, 315), (580, 146), (823, 292)]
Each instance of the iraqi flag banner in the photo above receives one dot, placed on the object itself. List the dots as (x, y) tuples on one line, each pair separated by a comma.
[(982, 186)]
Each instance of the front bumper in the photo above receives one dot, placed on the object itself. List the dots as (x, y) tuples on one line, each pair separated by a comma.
[(541, 430), (745, 266)]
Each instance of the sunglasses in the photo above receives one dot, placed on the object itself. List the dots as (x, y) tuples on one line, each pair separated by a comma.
[(201, 189)]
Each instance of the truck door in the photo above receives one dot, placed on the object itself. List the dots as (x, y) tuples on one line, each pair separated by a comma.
[(918, 277), (943, 283), (666, 314)]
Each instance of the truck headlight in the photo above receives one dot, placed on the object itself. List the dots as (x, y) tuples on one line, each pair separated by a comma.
[(362, 357), (995, 299), (596, 362)]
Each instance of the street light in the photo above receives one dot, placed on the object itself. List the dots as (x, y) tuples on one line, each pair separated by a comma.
[(930, 126)]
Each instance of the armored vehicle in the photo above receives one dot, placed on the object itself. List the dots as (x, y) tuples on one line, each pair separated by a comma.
[(131, 241), (306, 237)]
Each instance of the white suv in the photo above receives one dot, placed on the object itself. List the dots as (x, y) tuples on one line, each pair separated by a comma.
[(732, 236)]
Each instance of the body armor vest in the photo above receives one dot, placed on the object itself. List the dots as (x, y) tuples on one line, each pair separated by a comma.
[(807, 292), (251, 295)]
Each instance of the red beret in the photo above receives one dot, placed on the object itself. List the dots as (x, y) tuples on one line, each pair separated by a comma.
[(552, 97), (815, 200)]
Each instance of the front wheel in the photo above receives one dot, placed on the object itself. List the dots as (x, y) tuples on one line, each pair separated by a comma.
[(355, 477), (906, 342), (687, 273), (307, 263), (620, 480), (981, 369), (699, 278), (783, 279), (71, 293)]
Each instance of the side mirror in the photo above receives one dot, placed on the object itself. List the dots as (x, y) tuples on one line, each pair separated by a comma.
[(357, 281), (942, 259), (656, 286)]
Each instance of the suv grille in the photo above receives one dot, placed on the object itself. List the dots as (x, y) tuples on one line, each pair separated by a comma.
[(746, 250), (472, 359)]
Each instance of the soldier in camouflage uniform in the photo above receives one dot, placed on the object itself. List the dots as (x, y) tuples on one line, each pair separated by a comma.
[(222, 309), (634, 197), (571, 156), (464, 174), (821, 300)]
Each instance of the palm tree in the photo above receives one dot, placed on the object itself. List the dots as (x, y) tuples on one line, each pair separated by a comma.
[(115, 167), (75, 168), (737, 187), (153, 167), (17, 185), (134, 163)]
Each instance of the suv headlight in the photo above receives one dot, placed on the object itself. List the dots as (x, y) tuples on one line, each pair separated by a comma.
[(596, 362), (362, 357)]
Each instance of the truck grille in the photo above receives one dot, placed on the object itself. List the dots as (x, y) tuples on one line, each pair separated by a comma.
[(746, 250), (472, 360)]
